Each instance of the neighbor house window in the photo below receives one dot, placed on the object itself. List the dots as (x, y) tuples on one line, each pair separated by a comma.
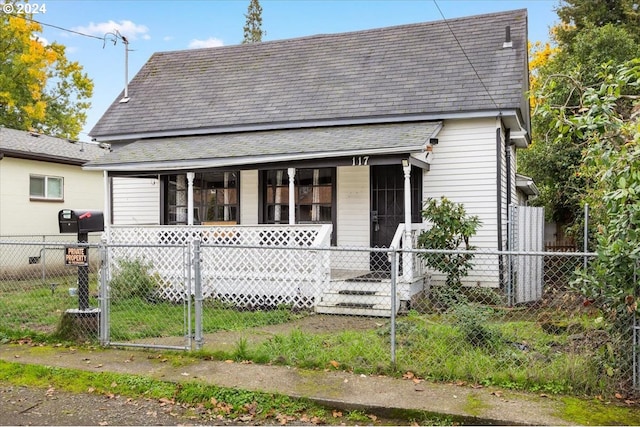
[(46, 187), (215, 198)]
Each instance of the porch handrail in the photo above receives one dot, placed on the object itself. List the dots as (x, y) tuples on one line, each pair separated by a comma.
[(323, 238), (411, 265)]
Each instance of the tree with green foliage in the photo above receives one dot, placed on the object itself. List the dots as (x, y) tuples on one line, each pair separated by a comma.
[(578, 15), (555, 163), (40, 88), (253, 27), (607, 118)]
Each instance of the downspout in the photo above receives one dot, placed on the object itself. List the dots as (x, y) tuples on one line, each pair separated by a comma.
[(499, 185), (510, 281), (507, 152), (499, 202)]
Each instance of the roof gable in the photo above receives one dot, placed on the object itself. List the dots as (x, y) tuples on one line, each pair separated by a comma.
[(30, 145), (388, 72)]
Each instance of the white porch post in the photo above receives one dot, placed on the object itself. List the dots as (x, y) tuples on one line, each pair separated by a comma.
[(190, 176), (292, 196), (407, 259), (107, 204)]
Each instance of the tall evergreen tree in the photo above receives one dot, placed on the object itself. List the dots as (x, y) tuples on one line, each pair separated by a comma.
[(253, 31)]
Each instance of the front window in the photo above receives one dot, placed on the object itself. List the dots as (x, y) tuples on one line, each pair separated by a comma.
[(215, 198), (46, 187), (314, 195)]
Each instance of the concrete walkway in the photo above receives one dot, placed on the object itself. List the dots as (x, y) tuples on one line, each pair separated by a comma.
[(341, 390)]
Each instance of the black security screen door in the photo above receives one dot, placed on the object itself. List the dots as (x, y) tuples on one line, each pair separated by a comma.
[(387, 207)]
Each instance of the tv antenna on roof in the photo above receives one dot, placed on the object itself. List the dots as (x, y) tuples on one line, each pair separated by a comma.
[(115, 36)]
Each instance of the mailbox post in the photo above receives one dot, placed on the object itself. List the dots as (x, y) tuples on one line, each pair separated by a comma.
[(81, 222)]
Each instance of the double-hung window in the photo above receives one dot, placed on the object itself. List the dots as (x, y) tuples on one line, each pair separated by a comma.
[(42, 187)]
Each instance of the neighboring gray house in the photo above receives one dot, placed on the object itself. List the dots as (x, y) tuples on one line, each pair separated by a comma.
[(332, 128)]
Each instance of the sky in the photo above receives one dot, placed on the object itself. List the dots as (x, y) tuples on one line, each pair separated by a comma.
[(165, 25)]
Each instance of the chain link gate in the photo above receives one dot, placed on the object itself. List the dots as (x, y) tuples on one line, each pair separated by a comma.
[(147, 288)]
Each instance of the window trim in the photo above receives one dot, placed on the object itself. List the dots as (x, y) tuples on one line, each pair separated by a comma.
[(262, 198), (46, 197), (199, 208)]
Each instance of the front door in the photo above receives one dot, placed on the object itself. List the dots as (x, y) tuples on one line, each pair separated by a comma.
[(387, 207)]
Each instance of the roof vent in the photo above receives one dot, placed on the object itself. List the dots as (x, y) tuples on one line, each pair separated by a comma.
[(507, 37)]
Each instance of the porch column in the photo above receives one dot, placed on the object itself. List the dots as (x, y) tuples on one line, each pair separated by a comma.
[(407, 260), (292, 196), (190, 176), (107, 204)]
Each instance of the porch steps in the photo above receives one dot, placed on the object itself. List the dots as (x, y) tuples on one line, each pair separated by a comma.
[(358, 298)]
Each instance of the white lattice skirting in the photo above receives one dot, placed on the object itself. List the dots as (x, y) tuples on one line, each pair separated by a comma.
[(247, 266)]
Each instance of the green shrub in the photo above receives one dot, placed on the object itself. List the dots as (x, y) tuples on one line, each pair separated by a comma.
[(450, 231), (132, 280), (472, 322)]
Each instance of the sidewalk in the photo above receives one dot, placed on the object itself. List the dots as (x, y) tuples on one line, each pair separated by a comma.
[(341, 390)]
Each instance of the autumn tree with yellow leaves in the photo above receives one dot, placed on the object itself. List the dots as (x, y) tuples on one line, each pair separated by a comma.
[(40, 88)]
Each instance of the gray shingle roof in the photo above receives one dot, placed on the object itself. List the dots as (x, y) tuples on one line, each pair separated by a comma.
[(18, 143), (246, 148), (403, 70)]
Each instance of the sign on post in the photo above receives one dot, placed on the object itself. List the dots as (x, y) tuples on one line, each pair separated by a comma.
[(76, 256)]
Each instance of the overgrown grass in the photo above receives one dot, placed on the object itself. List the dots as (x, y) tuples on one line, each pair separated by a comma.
[(520, 355), (475, 345)]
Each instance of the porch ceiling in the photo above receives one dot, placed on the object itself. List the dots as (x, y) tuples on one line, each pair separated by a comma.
[(254, 148)]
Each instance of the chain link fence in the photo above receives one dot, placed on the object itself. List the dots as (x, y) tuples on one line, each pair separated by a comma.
[(511, 319)]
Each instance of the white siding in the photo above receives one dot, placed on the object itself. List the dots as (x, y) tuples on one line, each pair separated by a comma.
[(21, 216), (135, 201), (353, 206), (463, 169), (249, 197), (353, 224)]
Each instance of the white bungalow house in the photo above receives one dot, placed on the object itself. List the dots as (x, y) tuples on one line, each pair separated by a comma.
[(352, 131)]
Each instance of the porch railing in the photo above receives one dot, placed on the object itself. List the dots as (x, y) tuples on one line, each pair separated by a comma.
[(412, 266), (234, 268)]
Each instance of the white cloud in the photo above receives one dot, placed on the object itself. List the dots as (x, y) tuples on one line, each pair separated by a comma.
[(128, 29), (210, 42), (167, 38)]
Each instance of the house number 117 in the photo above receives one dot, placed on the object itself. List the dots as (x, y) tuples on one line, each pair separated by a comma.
[(360, 161)]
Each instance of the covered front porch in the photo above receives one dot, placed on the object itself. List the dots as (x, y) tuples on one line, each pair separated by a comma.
[(268, 266)]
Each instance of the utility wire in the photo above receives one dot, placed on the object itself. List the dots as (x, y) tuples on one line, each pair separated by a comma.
[(465, 55), (59, 28)]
